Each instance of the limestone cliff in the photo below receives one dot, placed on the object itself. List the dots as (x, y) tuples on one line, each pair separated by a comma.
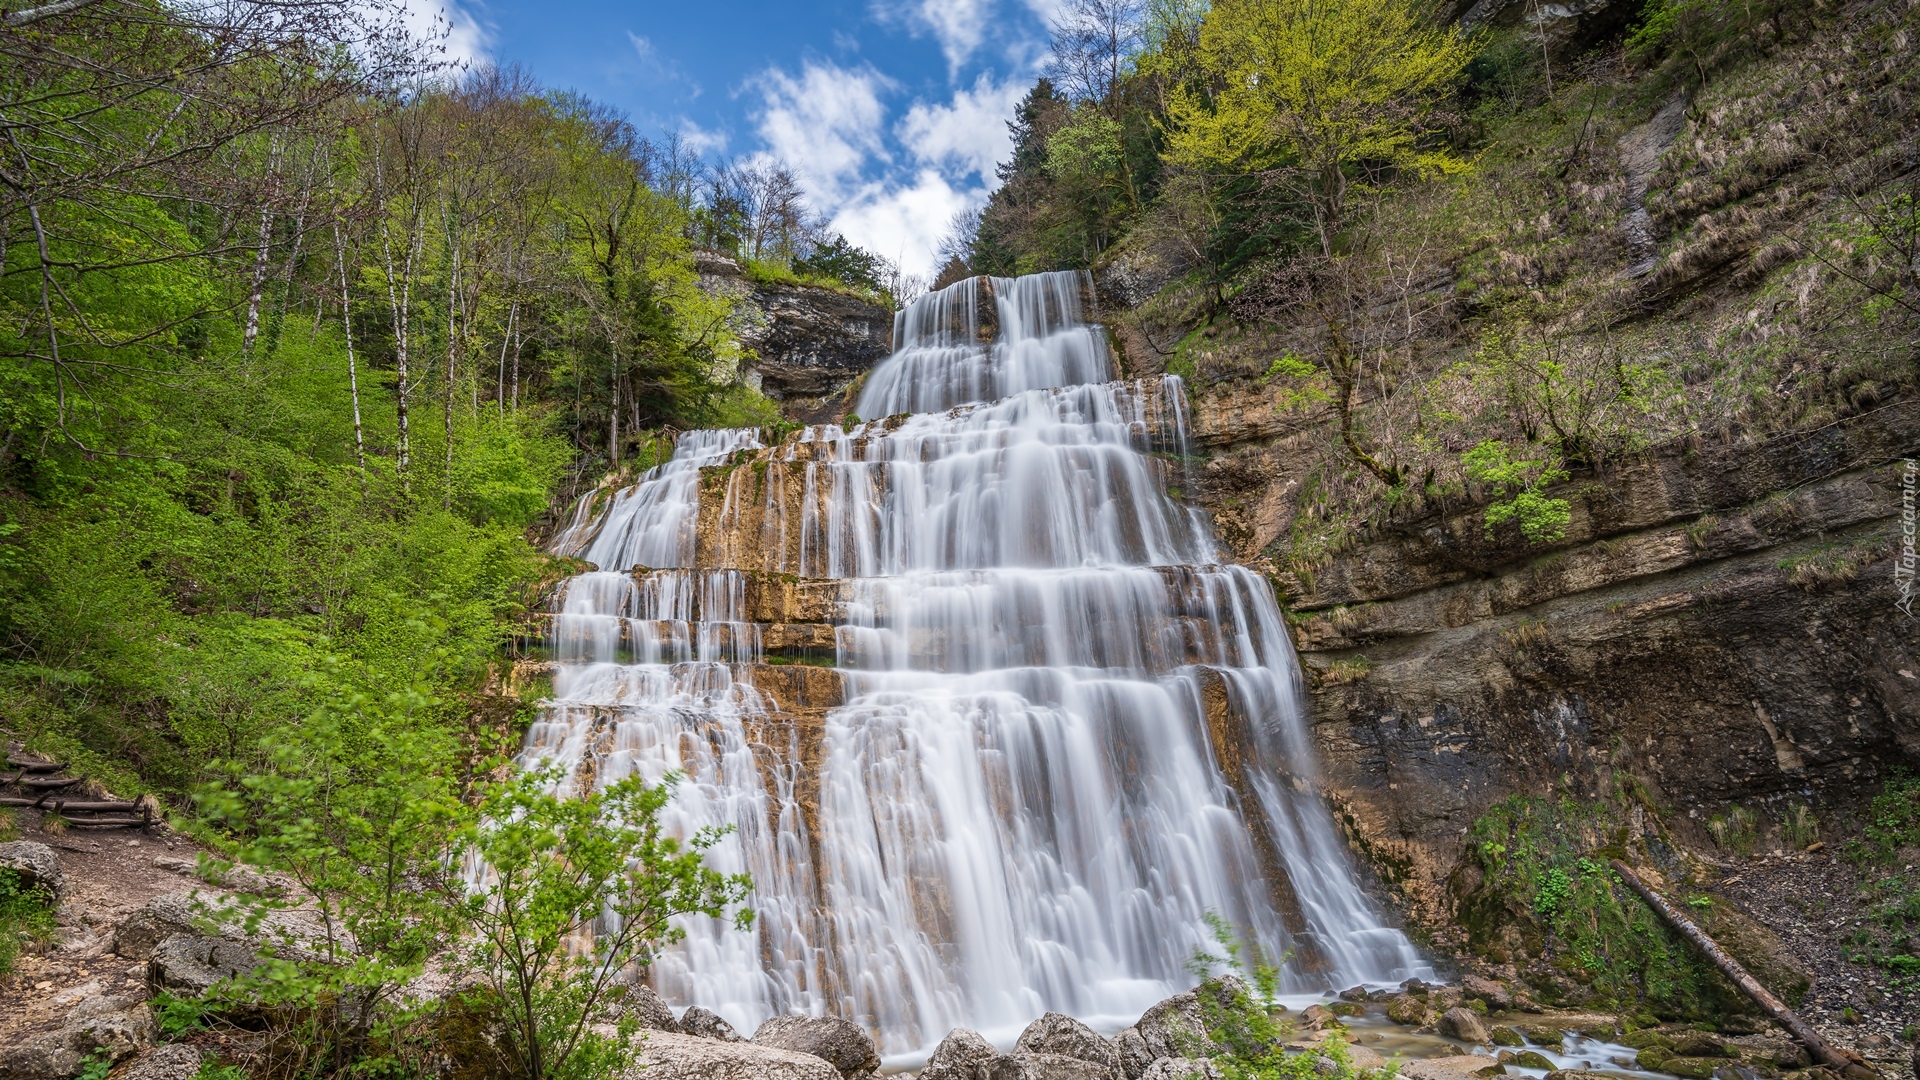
[(806, 344)]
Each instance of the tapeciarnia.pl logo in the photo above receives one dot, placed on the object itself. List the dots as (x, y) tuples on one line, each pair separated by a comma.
[(1903, 566)]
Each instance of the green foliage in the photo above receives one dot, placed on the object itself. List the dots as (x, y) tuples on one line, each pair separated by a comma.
[(1319, 89), (1542, 519), (1544, 870), (1890, 939), (96, 1066), (1243, 1037), (558, 866), (846, 264), (176, 1016), (26, 914), (359, 805), (1735, 831)]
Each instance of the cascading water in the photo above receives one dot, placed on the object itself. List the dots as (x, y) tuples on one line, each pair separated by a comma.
[(1065, 733)]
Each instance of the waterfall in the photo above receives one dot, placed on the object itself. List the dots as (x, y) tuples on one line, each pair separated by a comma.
[(1059, 731)]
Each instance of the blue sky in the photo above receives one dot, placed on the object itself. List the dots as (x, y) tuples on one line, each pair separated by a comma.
[(892, 114)]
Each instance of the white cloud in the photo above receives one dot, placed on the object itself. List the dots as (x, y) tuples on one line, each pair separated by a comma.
[(968, 135), (447, 23), (702, 141), (826, 124), (905, 223), (958, 25)]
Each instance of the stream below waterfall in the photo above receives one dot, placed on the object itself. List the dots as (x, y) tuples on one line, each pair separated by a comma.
[(1059, 732)]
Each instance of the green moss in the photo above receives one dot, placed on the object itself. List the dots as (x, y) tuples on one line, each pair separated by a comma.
[(26, 914), (1545, 875)]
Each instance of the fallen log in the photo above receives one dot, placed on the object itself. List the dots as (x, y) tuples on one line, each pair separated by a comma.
[(1821, 1051), (109, 822), (35, 766)]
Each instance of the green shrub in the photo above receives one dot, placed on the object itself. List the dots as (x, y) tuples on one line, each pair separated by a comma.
[(24, 913)]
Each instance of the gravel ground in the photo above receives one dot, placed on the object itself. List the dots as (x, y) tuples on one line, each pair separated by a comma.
[(1813, 901)]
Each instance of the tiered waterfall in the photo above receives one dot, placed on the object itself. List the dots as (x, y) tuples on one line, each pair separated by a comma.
[(995, 727)]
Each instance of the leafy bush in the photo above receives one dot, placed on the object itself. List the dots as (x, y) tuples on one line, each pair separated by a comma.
[(1542, 520), (558, 866), (24, 913)]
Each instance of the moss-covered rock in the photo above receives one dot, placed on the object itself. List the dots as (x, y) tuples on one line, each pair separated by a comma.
[(1532, 1059), (1693, 1068), (1641, 1040), (1506, 1036), (1653, 1058), (1409, 1010)]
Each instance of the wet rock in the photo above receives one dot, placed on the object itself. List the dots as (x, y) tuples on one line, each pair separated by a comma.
[(1319, 1016), (1415, 987), (1642, 1040), (708, 1025), (839, 1042), (666, 1056), (190, 965), (1018, 1066), (1358, 993), (1653, 1058), (1056, 1033), (1345, 1009), (1487, 990), (963, 1055), (1692, 1068), (1546, 1034), (645, 1007), (35, 865), (114, 1027), (1699, 1044), (1407, 1009), (1460, 1023), (1135, 1057), (1532, 1059), (1454, 1067), (1506, 1036), (174, 1061), (1182, 1069)]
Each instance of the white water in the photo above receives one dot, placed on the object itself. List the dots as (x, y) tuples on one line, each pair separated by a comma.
[(1020, 807)]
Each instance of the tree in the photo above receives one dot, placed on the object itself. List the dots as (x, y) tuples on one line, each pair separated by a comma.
[(559, 868), (1092, 43), (1317, 91)]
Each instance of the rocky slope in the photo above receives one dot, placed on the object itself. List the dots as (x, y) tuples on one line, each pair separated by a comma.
[(807, 345)]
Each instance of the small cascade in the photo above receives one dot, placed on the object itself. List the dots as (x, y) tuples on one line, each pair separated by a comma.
[(995, 726)]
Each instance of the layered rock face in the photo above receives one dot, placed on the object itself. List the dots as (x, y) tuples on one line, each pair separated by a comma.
[(1719, 626), (808, 344)]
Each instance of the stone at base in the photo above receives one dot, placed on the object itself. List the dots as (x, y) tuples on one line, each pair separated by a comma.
[(665, 1056), (175, 1061)]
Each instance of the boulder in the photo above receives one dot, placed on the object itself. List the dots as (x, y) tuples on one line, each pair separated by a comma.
[(838, 1042), (1692, 1068), (190, 965), (708, 1025), (1022, 1066), (1135, 1057), (115, 1027), (162, 917), (1460, 1023), (1407, 1009), (963, 1055), (174, 1061), (666, 1056), (1182, 1069), (1533, 1059), (1454, 1067), (1319, 1016), (1698, 1044), (1506, 1036), (1175, 1028), (1357, 993), (1062, 1035), (35, 864), (1484, 989), (645, 1008)]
